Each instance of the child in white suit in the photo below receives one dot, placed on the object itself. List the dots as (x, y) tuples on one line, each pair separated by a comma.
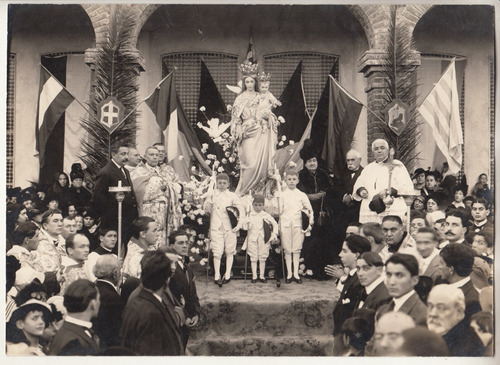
[(222, 234), (293, 202), (256, 247)]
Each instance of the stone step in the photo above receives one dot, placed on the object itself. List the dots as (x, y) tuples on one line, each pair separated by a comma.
[(241, 308), (319, 345)]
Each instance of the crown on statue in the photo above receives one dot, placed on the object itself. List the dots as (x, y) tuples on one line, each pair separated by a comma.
[(263, 77), (248, 68)]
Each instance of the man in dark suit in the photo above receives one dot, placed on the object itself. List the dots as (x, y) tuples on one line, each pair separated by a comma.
[(370, 269), (457, 260), (182, 284), (108, 322), (104, 203), (76, 337), (148, 328), (351, 290), (446, 317), (401, 278), (350, 207)]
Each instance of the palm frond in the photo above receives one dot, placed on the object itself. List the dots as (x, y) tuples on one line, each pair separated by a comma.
[(115, 75), (399, 73)]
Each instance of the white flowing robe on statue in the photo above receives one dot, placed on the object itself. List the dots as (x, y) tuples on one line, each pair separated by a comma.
[(375, 178)]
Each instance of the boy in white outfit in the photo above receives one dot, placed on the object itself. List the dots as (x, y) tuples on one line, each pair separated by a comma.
[(222, 235), (293, 202), (256, 247)]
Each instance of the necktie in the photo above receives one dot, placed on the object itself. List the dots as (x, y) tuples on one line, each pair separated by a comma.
[(124, 174), (392, 305), (94, 336)]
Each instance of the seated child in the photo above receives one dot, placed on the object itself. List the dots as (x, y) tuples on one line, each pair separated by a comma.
[(267, 102)]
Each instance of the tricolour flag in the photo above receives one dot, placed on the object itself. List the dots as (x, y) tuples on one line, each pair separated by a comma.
[(53, 99), (181, 143), (441, 111)]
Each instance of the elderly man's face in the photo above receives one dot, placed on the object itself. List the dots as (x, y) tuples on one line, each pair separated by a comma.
[(393, 232), (380, 151), (388, 338), (133, 157), (442, 313), (54, 224), (352, 162), (152, 157)]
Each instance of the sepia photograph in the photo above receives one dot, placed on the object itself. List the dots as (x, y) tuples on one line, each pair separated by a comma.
[(266, 179)]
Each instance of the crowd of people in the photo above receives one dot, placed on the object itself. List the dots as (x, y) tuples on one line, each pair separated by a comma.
[(425, 291)]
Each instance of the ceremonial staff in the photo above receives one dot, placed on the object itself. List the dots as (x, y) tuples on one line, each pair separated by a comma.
[(120, 191), (278, 183)]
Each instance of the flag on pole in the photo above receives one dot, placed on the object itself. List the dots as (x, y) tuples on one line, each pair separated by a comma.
[(343, 114), (211, 100), (251, 56), (181, 143), (293, 108), (53, 99), (441, 111)]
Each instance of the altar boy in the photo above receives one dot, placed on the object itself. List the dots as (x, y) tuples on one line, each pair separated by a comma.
[(222, 234), (293, 202)]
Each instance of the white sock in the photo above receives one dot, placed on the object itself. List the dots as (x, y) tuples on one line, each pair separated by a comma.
[(262, 268), (216, 268), (296, 257), (288, 260), (229, 266), (254, 269)]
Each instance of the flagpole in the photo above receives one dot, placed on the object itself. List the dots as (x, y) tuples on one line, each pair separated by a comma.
[(64, 87), (442, 75), (147, 97), (356, 99)]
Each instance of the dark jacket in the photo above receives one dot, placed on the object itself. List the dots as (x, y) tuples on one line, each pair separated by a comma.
[(349, 300), (471, 300), (108, 322), (378, 297), (104, 203), (73, 340), (463, 341), (414, 307), (148, 328)]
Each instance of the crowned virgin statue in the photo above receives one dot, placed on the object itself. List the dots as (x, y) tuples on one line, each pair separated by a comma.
[(254, 128)]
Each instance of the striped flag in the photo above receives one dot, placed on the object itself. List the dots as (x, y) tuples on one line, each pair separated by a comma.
[(441, 110), (53, 99), (181, 143)]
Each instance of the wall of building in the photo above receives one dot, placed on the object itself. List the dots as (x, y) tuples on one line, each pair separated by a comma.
[(466, 32), (38, 31), (327, 29)]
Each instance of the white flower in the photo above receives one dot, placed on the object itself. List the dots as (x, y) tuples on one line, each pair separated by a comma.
[(301, 272), (220, 169), (301, 259), (292, 164), (302, 266), (224, 160), (290, 152), (203, 262), (199, 221), (229, 107), (211, 156), (227, 153), (183, 216), (216, 163), (208, 162), (199, 243), (281, 119), (202, 109), (309, 272), (283, 138), (291, 143), (193, 250), (184, 202), (281, 143), (191, 259), (231, 159), (204, 146), (225, 135), (199, 125), (201, 235)]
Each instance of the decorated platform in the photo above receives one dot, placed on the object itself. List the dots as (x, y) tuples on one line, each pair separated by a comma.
[(245, 319)]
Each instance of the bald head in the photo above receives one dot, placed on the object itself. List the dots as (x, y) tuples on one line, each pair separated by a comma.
[(388, 332)]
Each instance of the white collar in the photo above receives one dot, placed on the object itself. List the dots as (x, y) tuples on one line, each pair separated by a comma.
[(398, 302), (460, 283), (49, 236), (480, 224), (353, 271), (376, 282), (109, 282), (78, 322), (428, 259), (17, 249)]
